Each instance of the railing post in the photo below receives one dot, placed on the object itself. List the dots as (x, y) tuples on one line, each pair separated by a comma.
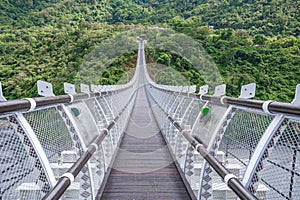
[(267, 143), (273, 131), (2, 98), (45, 89), (213, 147), (76, 137), (37, 147), (38, 154), (31, 142)]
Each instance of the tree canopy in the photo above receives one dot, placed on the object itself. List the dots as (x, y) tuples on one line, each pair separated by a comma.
[(250, 41)]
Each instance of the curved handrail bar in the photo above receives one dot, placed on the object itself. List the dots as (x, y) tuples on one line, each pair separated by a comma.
[(24, 105), (273, 107), (231, 180), (64, 182)]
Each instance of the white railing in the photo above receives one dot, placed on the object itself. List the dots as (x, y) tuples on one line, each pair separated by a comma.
[(258, 147), (44, 138), (257, 141)]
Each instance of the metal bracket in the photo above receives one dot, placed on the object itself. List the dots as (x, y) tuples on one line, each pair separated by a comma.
[(69, 88), (45, 89), (36, 148), (203, 89), (296, 100), (94, 88), (2, 98), (110, 87), (185, 89), (101, 88), (192, 89), (220, 90), (85, 88), (248, 91), (106, 88), (178, 88)]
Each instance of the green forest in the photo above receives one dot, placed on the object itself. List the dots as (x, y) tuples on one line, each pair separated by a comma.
[(250, 41)]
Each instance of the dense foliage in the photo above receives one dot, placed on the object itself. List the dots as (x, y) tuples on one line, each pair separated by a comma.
[(250, 41)]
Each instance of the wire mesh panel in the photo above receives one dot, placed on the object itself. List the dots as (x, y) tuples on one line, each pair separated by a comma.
[(91, 120), (183, 108), (237, 144), (181, 144), (241, 137), (98, 161), (84, 121), (190, 114), (113, 109), (279, 172), (104, 102), (62, 147), (202, 168), (203, 129), (166, 99), (116, 102), (180, 149), (98, 167), (206, 124), (97, 112), (174, 102), (22, 175), (159, 115)]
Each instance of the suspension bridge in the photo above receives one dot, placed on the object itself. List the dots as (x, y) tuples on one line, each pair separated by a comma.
[(143, 140)]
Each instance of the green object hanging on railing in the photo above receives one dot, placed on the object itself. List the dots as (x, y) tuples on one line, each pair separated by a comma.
[(205, 110), (75, 111)]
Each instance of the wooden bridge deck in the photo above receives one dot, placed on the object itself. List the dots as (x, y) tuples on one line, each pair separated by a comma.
[(144, 168)]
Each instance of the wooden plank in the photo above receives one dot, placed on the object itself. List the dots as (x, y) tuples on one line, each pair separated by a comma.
[(144, 168)]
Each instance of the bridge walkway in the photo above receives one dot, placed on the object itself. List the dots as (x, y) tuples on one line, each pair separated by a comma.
[(143, 168)]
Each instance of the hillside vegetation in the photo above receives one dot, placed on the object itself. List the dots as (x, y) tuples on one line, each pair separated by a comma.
[(250, 41)]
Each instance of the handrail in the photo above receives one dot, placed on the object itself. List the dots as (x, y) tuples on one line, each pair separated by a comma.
[(66, 179), (24, 105), (231, 180), (272, 107)]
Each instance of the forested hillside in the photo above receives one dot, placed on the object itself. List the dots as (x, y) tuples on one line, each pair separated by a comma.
[(270, 17), (250, 41)]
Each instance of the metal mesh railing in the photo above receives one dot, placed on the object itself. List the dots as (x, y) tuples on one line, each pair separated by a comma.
[(22, 175), (280, 170), (182, 148), (53, 134), (244, 140), (39, 147)]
